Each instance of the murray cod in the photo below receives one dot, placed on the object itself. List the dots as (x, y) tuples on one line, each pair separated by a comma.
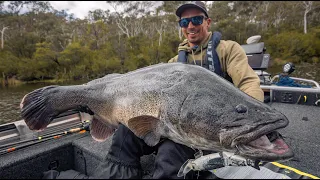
[(185, 103)]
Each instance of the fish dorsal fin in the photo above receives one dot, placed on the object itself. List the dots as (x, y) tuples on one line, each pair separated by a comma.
[(100, 130), (145, 128)]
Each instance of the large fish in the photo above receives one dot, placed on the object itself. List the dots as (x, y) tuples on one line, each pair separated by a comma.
[(185, 103)]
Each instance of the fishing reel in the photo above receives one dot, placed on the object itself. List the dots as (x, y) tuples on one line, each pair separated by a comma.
[(85, 109)]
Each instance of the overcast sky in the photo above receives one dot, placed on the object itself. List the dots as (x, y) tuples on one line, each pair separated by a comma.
[(80, 9)]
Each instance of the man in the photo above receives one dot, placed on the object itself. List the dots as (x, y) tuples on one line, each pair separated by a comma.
[(123, 159), (233, 60)]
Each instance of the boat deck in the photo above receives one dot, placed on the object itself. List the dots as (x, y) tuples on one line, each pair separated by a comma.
[(303, 135)]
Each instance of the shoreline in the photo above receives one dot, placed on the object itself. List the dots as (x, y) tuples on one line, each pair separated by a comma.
[(13, 82)]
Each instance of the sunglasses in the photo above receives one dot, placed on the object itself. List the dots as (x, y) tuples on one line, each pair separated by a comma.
[(196, 20)]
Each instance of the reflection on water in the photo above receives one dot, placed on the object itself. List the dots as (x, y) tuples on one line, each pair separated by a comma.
[(10, 98)]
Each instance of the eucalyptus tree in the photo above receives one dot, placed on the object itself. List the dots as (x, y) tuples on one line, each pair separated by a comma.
[(167, 12), (97, 27), (307, 8), (2, 35), (130, 15)]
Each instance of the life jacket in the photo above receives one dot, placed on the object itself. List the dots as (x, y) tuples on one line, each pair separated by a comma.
[(212, 61)]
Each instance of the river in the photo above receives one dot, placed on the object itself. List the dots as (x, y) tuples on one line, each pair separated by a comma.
[(11, 96)]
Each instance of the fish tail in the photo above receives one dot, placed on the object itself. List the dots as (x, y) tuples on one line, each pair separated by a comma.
[(36, 108)]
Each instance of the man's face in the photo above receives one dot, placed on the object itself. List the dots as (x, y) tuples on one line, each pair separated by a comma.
[(195, 33)]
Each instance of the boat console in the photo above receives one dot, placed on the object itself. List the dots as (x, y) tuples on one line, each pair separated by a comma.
[(259, 60)]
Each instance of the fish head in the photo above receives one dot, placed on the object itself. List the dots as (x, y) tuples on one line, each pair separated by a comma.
[(227, 119)]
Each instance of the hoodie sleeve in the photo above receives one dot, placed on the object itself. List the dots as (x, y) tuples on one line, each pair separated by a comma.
[(238, 68), (174, 59)]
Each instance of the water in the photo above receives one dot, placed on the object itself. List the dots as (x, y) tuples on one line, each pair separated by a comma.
[(10, 97)]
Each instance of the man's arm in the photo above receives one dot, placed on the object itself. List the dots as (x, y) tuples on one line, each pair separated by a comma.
[(241, 73)]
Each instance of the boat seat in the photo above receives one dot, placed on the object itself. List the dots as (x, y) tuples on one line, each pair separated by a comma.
[(257, 58)]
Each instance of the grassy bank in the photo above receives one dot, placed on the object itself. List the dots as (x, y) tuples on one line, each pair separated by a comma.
[(303, 70), (10, 82)]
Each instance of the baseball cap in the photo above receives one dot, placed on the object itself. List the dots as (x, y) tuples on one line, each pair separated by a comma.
[(194, 4)]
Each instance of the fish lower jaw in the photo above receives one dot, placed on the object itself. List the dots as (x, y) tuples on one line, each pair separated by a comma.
[(266, 149), (265, 155)]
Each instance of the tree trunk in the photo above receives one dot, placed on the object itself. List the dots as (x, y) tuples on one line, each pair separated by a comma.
[(305, 23), (265, 14), (308, 7), (160, 38), (2, 36), (5, 79)]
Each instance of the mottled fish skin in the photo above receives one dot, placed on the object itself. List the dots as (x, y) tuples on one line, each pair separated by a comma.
[(185, 103)]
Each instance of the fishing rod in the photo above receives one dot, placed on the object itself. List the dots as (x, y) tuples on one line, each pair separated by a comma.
[(39, 139)]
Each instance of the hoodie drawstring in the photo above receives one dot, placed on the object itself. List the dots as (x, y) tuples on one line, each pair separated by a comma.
[(194, 60), (201, 56)]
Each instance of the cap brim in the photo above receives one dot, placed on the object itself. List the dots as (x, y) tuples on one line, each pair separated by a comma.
[(186, 6)]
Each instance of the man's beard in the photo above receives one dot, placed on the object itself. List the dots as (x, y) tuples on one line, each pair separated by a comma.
[(195, 40)]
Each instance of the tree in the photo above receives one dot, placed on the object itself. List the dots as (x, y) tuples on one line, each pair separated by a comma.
[(2, 35), (307, 8), (130, 19), (97, 27), (43, 42), (167, 10)]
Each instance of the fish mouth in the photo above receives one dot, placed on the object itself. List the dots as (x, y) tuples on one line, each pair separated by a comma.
[(267, 145), (270, 147)]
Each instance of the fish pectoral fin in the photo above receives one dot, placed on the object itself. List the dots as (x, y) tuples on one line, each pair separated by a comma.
[(100, 130), (145, 128)]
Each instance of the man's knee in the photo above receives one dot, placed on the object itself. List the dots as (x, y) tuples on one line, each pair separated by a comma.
[(170, 157), (123, 158), (127, 146), (115, 169)]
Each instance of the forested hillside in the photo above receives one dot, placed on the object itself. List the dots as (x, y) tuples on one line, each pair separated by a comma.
[(45, 43)]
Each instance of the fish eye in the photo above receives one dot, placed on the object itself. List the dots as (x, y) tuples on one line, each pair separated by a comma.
[(240, 108)]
